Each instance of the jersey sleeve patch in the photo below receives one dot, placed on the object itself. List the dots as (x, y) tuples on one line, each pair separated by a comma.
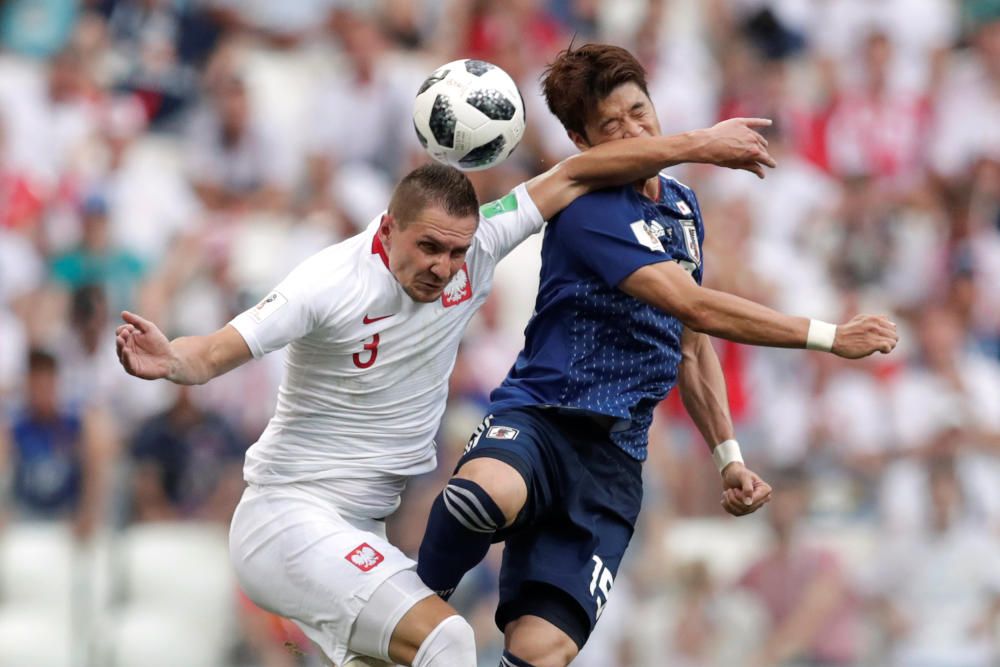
[(268, 306), (647, 236), (505, 204)]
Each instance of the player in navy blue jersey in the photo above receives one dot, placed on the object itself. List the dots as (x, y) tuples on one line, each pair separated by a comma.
[(620, 318)]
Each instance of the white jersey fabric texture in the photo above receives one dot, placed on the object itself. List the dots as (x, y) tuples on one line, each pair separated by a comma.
[(366, 375)]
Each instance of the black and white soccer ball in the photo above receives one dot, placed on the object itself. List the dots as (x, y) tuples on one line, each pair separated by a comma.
[(469, 114)]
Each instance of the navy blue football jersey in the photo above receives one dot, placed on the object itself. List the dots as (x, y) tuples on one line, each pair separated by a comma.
[(589, 346)]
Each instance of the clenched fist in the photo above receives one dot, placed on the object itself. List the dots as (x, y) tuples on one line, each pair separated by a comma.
[(864, 335)]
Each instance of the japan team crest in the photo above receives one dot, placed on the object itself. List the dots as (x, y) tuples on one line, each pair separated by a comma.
[(459, 289), (364, 557)]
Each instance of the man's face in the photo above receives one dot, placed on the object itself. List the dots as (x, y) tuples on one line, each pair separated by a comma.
[(426, 254), (627, 112), (41, 391)]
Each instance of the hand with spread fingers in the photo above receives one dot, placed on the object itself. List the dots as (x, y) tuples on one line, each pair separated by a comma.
[(744, 492), (736, 143)]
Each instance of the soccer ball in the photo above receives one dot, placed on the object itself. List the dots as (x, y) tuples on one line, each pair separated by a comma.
[(469, 114)]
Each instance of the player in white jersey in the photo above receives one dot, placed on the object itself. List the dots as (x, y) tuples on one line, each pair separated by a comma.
[(373, 326)]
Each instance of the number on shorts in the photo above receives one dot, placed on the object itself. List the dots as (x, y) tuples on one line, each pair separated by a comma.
[(601, 582)]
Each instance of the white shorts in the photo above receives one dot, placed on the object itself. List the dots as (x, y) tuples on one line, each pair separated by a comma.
[(297, 557)]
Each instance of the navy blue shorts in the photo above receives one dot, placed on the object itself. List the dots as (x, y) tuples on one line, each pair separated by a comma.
[(584, 494)]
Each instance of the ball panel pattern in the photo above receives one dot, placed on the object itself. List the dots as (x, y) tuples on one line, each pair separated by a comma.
[(484, 155), (478, 67), (439, 75), (443, 121), (492, 103)]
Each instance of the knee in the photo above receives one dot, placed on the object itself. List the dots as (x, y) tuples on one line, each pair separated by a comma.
[(538, 647), (451, 644), (500, 482)]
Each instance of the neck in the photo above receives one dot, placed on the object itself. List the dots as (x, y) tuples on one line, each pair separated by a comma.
[(649, 187)]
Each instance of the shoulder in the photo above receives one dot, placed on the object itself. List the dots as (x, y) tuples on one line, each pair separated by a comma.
[(607, 203), (333, 269), (677, 191)]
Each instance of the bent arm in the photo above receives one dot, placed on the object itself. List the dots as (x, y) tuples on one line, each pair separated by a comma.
[(732, 143), (146, 353), (703, 388), (667, 286)]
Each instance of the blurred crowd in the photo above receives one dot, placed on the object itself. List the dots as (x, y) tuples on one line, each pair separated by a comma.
[(177, 157)]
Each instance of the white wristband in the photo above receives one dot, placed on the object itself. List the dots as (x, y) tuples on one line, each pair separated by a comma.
[(725, 453), (821, 335)]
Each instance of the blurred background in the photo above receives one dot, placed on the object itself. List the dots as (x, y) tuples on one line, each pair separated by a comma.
[(178, 157)]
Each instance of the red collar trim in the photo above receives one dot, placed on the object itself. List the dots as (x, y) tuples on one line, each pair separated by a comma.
[(378, 249)]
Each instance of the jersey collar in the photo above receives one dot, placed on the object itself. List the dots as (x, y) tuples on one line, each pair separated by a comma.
[(379, 249)]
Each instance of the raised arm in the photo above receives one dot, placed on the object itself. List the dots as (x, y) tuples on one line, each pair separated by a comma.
[(146, 353), (733, 143), (667, 286), (703, 391)]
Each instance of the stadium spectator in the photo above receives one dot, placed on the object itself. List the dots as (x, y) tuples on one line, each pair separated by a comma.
[(352, 165), (188, 464), (97, 261), (813, 617), (235, 162), (945, 404), (938, 590), (154, 46), (876, 131), (59, 461)]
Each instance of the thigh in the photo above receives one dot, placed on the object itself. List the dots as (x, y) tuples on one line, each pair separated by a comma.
[(520, 438), (563, 567), (299, 558)]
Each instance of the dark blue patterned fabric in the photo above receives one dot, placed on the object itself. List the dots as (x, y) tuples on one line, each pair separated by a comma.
[(589, 346)]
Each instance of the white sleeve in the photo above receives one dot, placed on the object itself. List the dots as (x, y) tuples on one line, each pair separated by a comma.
[(287, 313), (506, 222)]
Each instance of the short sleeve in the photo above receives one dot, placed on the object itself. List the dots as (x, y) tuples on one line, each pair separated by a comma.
[(506, 222), (610, 236), (287, 313)]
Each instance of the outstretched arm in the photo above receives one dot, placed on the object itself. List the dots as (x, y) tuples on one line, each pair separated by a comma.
[(733, 143), (703, 391), (146, 353), (667, 286)]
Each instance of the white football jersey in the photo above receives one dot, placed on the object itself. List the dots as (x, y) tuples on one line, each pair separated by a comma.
[(366, 374)]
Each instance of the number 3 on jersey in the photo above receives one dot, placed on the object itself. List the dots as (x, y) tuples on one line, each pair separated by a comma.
[(600, 585), (372, 352)]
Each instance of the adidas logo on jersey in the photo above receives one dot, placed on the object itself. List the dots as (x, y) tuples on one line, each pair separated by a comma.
[(364, 557)]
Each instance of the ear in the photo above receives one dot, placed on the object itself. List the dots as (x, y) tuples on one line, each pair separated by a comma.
[(385, 227), (578, 140)]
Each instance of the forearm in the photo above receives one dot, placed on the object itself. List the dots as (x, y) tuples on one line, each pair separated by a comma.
[(630, 160), (609, 164), (742, 321), (667, 286), (195, 360), (703, 389)]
